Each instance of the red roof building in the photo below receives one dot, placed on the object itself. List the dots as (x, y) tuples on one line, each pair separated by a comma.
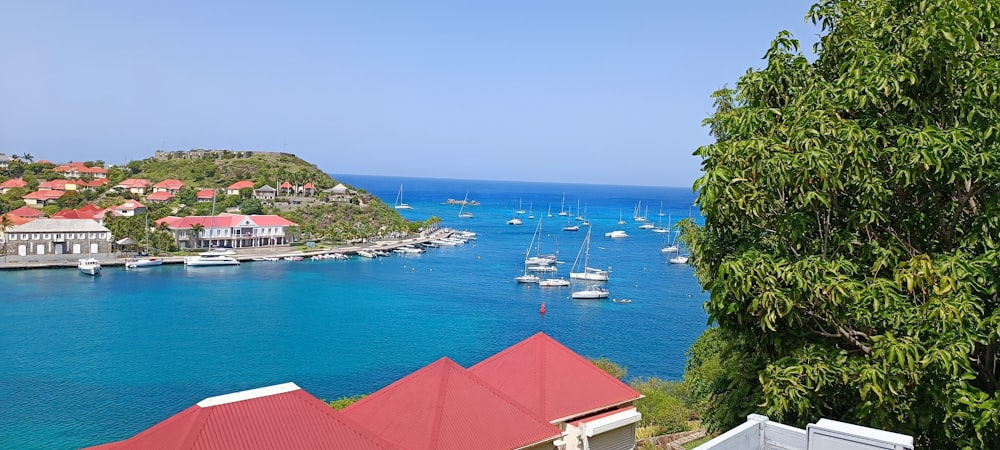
[(78, 169), (232, 230), (129, 208), (234, 189), (205, 195), (547, 378), (15, 221), (286, 187), (443, 406), (12, 183), (42, 198), (134, 185), (57, 185), (26, 212), (171, 186), (93, 184), (280, 416), (160, 197)]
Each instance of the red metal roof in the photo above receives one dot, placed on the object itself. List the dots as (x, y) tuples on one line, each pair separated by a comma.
[(286, 185), (57, 185), (134, 183), (26, 211), (205, 193), (13, 183), (281, 416), (129, 206), (225, 221), (240, 185), (551, 380), (170, 184), (159, 196), (443, 406), (17, 220), (45, 195)]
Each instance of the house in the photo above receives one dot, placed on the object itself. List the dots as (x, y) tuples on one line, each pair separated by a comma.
[(602, 419), (286, 188), (443, 406), (134, 185), (170, 186), (129, 209), (13, 183), (160, 197), (26, 212), (280, 416), (339, 193), (58, 185), (92, 184), (5, 161), (78, 169), (234, 189), (59, 236), (265, 193), (231, 230), (39, 199), (308, 189), (205, 195)]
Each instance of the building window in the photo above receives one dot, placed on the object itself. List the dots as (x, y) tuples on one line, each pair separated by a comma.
[(91, 236), (58, 235), (47, 236), (34, 236)]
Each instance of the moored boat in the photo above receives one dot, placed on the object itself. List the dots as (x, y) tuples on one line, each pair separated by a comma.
[(554, 282), (591, 292), (89, 266), (211, 258), (143, 262)]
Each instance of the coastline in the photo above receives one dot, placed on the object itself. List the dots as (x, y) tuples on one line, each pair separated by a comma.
[(242, 254)]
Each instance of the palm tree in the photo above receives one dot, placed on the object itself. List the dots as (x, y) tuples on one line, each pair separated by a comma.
[(196, 229), (27, 157), (5, 224)]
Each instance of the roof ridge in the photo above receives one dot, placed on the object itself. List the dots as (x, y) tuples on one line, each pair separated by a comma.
[(440, 400)]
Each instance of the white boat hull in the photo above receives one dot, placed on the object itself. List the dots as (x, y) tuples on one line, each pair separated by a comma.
[(144, 262), (590, 293), (89, 266), (554, 282), (220, 260), (591, 276)]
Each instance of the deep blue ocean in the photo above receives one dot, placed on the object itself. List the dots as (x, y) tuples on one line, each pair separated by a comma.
[(85, 361)]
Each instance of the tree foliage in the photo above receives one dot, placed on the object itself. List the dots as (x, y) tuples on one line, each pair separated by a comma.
[(852, 218)]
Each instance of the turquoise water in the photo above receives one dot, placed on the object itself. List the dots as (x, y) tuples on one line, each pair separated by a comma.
[(88, 360)]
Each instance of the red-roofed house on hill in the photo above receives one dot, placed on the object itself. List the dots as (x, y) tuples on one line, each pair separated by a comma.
[(443, 406), (230, 230), (548, 379), (273, 417), (39, 199), (171, 186), (78, 169), (205, 195), (159, 197), (26, 212), (12, 183), (134, 185), (234, 189), (129, 209), (92, 184), (308, 189), (58, 185), (286, 188), (88, 211)]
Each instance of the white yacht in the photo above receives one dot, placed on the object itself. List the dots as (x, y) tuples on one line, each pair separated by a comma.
[(616, 234), (143, 262), (679, 259), (554, 282), (211, 258)]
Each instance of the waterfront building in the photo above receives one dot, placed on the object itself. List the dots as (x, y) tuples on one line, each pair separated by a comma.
[(229, 230), (58, 237)]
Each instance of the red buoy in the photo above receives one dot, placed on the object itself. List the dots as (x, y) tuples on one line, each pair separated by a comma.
[(542, 309)]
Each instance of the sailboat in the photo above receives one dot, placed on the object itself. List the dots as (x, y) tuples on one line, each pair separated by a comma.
[(550, 210), (529, 277), (668, 245), (531, 215), (520, 209), (646, 225), (584, 272), (146, 260), (562, 207), (620, 220), (461, 211), (399, 200)]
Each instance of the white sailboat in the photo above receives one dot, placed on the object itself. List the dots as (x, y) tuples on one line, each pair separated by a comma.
[(583, 271), (562, 207), (520, 209), (531, 215), (530, 277), (669, 246), (620, 220), (145, 260), (590, 293), (399, 200), (461, 211)]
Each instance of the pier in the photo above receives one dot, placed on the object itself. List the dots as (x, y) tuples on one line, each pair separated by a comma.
[(16, 262)]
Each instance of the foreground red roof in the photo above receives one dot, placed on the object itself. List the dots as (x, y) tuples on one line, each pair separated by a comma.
[(551, 380), (443, 406), (281, 416)]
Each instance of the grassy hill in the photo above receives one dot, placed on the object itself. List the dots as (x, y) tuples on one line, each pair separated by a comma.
[(222, 168)]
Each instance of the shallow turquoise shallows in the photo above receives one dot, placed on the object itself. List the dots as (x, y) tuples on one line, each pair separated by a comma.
[(88, 360)]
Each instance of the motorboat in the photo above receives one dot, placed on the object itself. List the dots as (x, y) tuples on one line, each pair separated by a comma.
[(591, 292), (211, 258), (515, 221), (265, 258), (679, 259), (543, 268), (621, 300), (616, 234), (554, 282), (366, 253), (647, 226), (143, 262), (571, 228), (527, 278), (89, 266)]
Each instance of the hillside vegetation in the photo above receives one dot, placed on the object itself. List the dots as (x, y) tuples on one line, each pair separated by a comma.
[(220, 169)]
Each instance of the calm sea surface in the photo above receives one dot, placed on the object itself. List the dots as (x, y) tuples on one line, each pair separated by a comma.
[(85, 361)]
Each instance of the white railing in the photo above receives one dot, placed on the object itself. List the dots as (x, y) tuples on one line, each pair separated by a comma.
[(759, 433)]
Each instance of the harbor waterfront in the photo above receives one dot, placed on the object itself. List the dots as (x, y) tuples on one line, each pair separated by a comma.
[(89, 360)]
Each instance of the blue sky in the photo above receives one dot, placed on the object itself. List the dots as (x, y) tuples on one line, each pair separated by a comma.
[(609, 92)]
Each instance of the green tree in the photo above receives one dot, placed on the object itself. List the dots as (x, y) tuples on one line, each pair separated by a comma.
[(251, 206), (196, 230), (612, 368), (852, 218)]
